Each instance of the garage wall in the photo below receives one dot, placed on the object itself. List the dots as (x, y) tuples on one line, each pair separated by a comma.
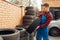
[(52, 3), (10, 15)]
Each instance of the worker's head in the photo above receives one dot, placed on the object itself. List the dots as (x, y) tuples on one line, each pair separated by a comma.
[(45, 7)]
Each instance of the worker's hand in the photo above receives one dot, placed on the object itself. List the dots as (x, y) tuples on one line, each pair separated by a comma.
[(37, 27)]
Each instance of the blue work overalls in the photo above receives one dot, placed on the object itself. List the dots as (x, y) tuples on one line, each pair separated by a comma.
[(42, 32)]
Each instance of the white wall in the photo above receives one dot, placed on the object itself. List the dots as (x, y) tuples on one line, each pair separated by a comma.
[(37, 3)]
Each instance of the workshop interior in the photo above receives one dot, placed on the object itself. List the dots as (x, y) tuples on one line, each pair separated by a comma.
[(19, 19)]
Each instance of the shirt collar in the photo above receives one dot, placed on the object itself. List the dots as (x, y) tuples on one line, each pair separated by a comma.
[(45, 13)]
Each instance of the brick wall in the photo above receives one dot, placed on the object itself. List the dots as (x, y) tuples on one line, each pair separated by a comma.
[(10, 15), (52, 3)]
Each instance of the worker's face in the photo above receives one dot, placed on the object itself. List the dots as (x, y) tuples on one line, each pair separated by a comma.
[(45, 9)]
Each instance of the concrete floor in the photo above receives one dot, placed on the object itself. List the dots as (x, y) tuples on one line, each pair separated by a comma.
[(52, 38)]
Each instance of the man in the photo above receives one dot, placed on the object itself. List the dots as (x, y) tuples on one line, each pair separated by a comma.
[(46, 17)]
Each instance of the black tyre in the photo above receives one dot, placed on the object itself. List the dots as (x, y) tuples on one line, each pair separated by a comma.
[(1, 38), (28, 17), (25, 26), (29, 7), (27, 23), (33, 25), (30, 12), (54, 31), (23, 33), (31, 36), (22, 26), (10, 34), (28, 20), (24, 38)]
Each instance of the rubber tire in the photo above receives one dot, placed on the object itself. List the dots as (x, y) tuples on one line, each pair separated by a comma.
[(22, 26), (28, 17), (23, 33), (33, 26), (1, 38), (31, 36), (28, 20), (27, 23), (25, 26), (54, 31), (24, 38), (30, 12), (10, 34), (29, 7)]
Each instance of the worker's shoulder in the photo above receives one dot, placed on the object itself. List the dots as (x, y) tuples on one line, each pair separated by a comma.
[(50, 14)]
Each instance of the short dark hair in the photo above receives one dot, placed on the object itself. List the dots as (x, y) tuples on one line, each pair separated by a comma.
[(45, 4)]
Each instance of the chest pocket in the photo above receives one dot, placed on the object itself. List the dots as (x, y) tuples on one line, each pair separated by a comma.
[(43, 19)]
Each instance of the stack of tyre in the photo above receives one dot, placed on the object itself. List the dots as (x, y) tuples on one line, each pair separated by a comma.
[(28, 19), (29, 16), (23, 33)]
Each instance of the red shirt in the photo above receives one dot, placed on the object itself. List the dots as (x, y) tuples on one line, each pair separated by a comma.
[(49, 18)]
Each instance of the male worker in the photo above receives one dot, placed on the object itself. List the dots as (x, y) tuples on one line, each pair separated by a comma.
[(46, 17)]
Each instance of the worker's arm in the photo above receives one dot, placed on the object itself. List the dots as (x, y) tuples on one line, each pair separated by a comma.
[(49, 18)]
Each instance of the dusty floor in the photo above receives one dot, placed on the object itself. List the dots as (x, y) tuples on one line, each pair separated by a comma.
[(52, 38)]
